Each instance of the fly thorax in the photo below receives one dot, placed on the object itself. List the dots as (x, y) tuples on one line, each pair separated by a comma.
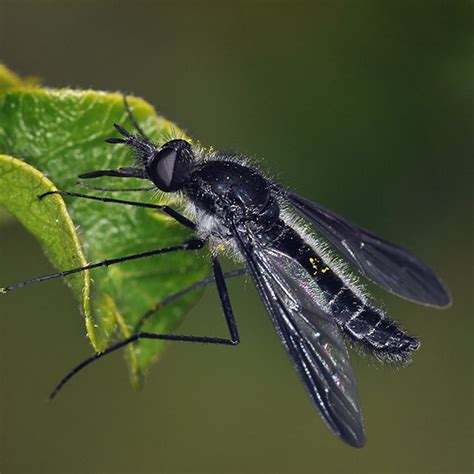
[(227, 189)]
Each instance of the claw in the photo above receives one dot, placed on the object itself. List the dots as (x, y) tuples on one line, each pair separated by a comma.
[(41, 196), (114, 140), (122, 130)]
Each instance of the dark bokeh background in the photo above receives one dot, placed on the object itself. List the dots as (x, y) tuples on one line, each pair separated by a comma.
[(364, 106)]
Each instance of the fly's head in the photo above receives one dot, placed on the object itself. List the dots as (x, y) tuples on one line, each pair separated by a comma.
[(169, 166)]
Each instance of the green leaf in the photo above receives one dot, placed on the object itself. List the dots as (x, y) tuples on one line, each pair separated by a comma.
[(61, 133), (9, 80), (47, 220)]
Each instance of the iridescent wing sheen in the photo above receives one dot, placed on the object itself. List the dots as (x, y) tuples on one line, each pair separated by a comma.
[(381, 261), (311, 337)]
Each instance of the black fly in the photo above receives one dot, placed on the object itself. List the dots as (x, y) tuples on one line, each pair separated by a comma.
[(312, 302)]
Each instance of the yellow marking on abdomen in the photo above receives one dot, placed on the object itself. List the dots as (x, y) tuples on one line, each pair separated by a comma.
[(313, 263)]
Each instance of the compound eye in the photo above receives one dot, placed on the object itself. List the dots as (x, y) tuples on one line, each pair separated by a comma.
[(162, 169)]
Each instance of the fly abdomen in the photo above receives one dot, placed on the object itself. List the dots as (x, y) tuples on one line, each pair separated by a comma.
[(380, 335), (369, 327)]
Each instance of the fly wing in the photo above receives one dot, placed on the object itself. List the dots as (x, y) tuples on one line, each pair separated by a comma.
[(383, 262), (311, 337)]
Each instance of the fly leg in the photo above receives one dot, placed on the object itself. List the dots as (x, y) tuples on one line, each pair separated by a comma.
[(175, 296), (159, 207), (233, 340), (225, 302), (192, 244)]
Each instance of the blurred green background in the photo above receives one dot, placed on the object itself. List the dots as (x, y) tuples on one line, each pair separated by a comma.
[(363, 106)]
